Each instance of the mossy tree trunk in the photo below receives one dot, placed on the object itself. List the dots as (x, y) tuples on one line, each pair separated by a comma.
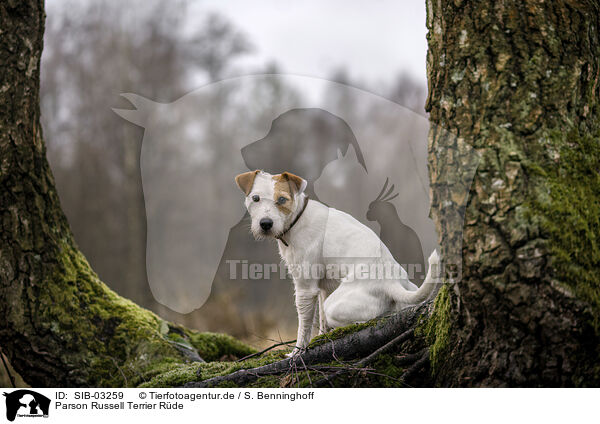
[(59, 324), (519, 81)]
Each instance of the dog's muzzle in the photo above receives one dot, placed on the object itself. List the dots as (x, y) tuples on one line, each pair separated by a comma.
[(266, 224)]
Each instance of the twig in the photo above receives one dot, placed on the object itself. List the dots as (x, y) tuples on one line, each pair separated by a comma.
[(334, 368), (409, 359), (399, 380), (334, 355), (11, 378), (297, 373), (120, 370), (367, 360), (416, 366), (307, 373), (321, 368), (267, 338), (385, 348), (252, 355), (320, 371)]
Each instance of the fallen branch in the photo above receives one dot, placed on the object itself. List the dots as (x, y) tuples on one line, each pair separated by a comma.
[(354, 345)]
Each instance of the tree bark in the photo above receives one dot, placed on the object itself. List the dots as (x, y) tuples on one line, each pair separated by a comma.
[(61, 326), (518, 81)]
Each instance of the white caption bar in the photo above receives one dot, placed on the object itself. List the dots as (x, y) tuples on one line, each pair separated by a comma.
[(46, 406)]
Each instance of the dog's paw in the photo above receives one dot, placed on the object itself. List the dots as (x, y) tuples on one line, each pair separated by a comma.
[(293, 353)]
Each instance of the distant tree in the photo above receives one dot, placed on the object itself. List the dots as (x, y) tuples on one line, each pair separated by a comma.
[(93, 53), (408, 93)]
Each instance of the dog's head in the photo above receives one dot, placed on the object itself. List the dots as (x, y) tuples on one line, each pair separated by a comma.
[(271, 200)]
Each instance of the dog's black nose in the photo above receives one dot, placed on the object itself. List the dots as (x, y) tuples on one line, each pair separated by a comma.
[(266, 224)]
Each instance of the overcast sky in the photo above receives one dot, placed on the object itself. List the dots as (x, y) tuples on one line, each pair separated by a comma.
[(373, 40)]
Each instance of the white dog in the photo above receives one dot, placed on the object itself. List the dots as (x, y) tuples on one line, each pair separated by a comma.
[(355, 281)]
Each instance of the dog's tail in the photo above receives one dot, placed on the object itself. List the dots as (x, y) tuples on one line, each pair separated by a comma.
[(432, 283)]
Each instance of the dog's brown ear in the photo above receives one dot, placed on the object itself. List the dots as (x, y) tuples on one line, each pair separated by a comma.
[(245, 181), (299, 182)]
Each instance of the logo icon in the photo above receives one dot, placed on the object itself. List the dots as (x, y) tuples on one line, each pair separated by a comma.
[(26, 403)]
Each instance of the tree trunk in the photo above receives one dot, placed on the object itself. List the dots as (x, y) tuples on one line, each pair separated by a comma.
[(519, 82), (61, 326)]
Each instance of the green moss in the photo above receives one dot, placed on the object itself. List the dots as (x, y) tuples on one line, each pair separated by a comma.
[(176, 376), (111, 341), (568, 207), (173, 375), (106, 339), (268, 381), (388, 373), (341, 332), (213, 346), (258, 361), (436, 329)]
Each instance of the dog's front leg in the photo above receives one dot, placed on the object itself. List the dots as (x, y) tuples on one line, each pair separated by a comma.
[(306, 300), (322, 319)]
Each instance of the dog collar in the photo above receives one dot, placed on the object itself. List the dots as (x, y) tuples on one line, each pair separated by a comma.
[(280, 237)]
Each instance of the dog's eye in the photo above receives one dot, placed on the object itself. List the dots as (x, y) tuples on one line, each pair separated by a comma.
[(281, 200), (256, 197)]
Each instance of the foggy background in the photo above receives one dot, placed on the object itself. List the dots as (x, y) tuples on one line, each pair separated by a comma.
[(94, 51)]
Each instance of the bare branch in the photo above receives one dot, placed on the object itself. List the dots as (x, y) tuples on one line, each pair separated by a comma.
[(354, 345), (266, 350)]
